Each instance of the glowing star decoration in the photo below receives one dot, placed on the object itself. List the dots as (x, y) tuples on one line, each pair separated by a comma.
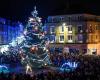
[(69, 66), (35, 12)]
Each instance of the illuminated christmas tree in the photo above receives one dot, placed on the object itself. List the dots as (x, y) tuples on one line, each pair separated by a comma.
[(33, 48), (30, 49)]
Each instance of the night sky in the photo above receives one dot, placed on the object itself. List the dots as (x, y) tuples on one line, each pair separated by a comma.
[(20, 10)]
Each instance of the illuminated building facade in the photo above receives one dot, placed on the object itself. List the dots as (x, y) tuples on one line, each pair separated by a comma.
[(9, 31), (79, 32)]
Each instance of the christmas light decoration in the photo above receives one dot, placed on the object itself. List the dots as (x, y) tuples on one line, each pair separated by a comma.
[(32, 45), (69, 66)]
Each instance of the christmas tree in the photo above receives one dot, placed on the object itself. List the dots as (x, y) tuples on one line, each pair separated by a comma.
[(33, 48), (30, 49)]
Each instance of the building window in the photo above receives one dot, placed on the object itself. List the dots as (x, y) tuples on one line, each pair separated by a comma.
[(70, 28), (80, 29), (91, 38), (96, 27), (52, 30), (61, 18), (94, 51), (90, 28), (52, 38), (80, 38), (79, 18), (62, 28), (69, 18), (50, 20), (61, 38), (70, 37), (96, 36)]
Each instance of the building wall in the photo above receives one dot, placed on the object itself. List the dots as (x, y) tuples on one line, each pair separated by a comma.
[(85, 31), (93, 32), (65, 33), (9, 30)]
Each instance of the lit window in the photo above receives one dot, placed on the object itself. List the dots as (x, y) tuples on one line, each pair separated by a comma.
[(96, 37), (62, 28), (70, 37), (61, 37), (69, 28), (52, 30), (90, 28), (91, 37), (96, 27)]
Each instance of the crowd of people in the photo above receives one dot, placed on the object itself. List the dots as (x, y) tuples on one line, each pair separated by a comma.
[(87, 69), (59, 59), (9, 58)]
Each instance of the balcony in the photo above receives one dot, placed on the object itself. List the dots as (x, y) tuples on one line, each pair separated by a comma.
[(70, 32), (70, 41)]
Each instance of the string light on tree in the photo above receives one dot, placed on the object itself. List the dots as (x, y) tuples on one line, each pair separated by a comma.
[(31, 46), (36, 40)]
